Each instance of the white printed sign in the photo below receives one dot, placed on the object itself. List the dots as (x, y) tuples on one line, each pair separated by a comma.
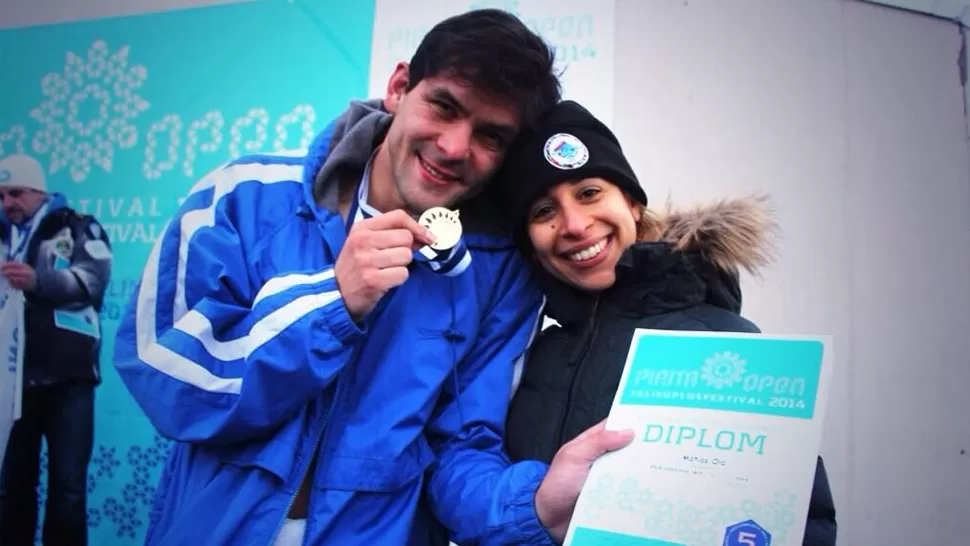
[(582, 33)]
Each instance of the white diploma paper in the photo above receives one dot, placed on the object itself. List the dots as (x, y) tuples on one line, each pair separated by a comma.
[(728, 428)]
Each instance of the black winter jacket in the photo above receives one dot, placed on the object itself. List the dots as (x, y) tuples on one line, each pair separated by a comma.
[(71, 255), (687, 281)]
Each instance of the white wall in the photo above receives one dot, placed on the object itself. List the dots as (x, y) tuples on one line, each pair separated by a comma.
[(851, 115), (908, 180)]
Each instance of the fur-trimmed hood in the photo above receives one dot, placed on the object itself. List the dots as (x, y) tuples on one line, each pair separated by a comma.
[(697, 259), (731, 234)]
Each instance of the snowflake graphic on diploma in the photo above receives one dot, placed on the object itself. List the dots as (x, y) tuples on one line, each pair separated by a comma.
[(88, 110), (723, 370)]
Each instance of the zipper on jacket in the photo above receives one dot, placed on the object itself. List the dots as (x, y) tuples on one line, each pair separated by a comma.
[(578, 360), (306, 212), (303, 475), (320, 439)]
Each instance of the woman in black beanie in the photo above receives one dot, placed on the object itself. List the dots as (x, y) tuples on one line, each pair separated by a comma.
[(607, 265)]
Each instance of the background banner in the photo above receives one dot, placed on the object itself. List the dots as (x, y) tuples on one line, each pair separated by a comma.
[(126, 114), (581, 32)]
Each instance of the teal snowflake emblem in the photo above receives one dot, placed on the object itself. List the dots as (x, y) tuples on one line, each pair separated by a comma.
[(723, 370)]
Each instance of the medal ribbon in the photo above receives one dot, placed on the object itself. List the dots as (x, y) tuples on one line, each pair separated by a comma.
[(20, 236)]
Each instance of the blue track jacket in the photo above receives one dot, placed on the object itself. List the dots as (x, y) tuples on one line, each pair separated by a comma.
[(237, 345)]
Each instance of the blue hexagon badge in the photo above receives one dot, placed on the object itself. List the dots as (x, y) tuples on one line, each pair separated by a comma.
[(746, 533)]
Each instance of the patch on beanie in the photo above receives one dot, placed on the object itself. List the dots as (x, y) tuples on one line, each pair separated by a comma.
[(4, 175), (565, 151)]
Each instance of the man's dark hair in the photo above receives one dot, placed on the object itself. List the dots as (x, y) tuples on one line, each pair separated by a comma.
[(493, 51)]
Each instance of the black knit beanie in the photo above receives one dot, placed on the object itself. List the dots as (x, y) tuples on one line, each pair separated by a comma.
[(568, 143)]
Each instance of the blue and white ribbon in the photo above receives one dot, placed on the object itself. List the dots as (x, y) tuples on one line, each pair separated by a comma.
[(450, 262), (20, 236)]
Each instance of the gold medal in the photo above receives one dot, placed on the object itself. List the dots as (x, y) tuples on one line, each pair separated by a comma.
[(445, 226)]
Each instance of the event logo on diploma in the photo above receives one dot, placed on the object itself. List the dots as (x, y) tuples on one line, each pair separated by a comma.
[(728, 428)]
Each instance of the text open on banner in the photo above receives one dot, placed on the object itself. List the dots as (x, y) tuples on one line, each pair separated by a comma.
[(126, 114)]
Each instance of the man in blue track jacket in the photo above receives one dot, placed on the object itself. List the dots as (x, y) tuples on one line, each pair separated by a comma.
[(325, 382)]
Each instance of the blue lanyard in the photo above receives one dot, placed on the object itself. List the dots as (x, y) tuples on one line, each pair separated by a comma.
[(15, 253), (20, 237), (359, 209)]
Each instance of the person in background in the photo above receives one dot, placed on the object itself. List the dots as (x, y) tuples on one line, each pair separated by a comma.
[(334, 371), (608, 265), (61, 261)]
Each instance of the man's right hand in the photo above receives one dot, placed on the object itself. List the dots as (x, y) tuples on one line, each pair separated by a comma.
[(375, 259)]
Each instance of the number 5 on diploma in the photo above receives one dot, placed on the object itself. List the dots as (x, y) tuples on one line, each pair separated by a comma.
[(747, 539), (747, 533)]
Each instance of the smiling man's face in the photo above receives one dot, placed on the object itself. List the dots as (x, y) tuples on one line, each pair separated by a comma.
[(446, 141)]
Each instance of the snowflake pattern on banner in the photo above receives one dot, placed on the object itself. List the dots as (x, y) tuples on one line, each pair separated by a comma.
[(683, 521), (12, 141), (129, 512), (103, 81)]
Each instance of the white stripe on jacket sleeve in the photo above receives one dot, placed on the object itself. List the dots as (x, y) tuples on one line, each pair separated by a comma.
[(222, 182), (195, 324)]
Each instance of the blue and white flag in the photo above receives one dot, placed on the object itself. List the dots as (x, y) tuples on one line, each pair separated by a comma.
[(12, 329), (12, 370)]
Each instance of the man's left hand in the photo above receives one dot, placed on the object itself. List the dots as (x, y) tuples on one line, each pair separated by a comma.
[(559, 491), (21, 276)]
